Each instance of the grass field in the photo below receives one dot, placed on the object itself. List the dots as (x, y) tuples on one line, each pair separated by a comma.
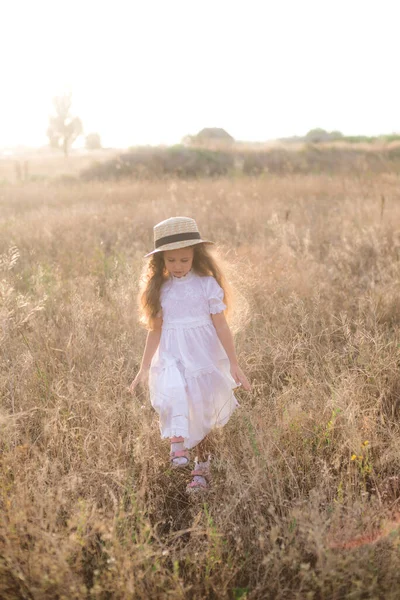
[(306, 489)]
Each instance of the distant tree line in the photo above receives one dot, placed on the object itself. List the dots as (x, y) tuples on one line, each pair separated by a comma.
[(320, 136), (64, 128)]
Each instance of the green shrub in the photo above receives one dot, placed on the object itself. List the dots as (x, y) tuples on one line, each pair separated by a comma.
[(175, 161)]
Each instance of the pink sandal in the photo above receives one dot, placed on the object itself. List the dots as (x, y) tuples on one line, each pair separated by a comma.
[(202, 471), (179, 454)]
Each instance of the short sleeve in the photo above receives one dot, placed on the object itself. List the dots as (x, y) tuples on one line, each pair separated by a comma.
[(215, 296)]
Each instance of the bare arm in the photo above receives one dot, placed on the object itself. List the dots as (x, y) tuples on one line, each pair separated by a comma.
[(152, 342), (225, 336)]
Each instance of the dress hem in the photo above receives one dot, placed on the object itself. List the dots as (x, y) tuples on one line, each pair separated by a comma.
[(169, 432)]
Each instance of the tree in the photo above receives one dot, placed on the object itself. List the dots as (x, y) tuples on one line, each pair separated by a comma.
[(321, 135), (317, 135), (210, 137), (93, 141), (63, 128)]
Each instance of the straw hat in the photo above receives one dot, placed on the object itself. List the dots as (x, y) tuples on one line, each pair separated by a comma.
[(176, 232)]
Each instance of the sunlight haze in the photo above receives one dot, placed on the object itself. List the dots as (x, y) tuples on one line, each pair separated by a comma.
[(152, 72)]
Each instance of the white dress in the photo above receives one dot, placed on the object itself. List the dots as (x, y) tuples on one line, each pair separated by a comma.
[(191, 387)]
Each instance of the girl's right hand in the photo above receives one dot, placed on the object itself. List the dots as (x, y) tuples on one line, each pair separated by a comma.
[(141, 378)]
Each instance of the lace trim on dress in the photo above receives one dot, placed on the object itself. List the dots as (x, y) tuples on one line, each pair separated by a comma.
[(206, 371), (216, 306), (186, 277), (169, 362), (200, 372), (170, 432)]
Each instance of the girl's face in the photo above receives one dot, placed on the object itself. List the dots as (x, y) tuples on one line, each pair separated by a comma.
[(179, 262)]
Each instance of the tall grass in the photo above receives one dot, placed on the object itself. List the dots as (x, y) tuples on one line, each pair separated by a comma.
[(306, 489)]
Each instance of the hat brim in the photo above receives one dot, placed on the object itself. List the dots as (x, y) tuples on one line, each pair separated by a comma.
[(177, 245)]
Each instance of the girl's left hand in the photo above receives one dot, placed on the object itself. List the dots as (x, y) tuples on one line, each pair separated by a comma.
[(240, 377)]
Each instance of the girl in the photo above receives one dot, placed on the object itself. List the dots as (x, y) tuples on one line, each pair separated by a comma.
[(189, 356)]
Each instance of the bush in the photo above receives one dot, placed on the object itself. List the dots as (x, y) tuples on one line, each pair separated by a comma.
[(188, 163), (277, 161), (176, 161)]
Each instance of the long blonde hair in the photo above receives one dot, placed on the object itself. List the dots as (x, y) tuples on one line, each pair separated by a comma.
[(154, 274)]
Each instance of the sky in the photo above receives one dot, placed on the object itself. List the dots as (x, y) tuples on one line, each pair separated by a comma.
[(153, 71)]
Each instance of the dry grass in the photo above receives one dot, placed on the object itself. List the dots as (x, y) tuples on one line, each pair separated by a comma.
[(301, 503), (42, 165)]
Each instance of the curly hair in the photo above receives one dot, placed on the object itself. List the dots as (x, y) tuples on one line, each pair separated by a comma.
[(154, 274)]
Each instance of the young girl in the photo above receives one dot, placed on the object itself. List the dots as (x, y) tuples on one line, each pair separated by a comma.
[(189, 357)]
